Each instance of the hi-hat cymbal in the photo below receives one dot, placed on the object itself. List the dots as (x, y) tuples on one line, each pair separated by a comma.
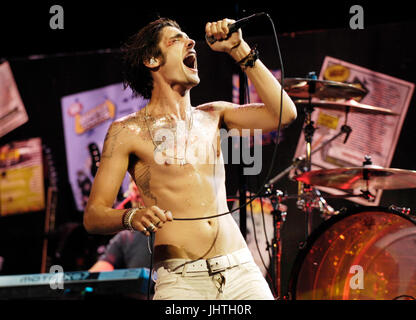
[(321, 89), (364, 178), (348, 105)]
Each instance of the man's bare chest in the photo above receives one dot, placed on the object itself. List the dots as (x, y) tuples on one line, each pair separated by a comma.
[(196, 141)]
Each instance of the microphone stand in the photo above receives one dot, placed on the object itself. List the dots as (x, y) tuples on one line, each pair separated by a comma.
[(243, 97), (242, 178)]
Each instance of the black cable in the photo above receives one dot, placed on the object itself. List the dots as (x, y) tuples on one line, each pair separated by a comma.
[(149, 281), (277, 137)]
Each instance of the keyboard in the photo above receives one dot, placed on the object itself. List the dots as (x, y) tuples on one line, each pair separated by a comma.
[(76, 285)]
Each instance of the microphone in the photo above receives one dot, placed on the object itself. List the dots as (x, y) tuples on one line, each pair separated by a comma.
[(233, 27)]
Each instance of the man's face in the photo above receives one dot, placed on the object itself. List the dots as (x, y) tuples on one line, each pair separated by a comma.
[(180, 64)]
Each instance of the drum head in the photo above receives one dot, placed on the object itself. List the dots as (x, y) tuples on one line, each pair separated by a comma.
[(369, 254)]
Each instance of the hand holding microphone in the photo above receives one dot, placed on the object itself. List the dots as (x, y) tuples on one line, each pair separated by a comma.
[(226, 34), (219, 36)]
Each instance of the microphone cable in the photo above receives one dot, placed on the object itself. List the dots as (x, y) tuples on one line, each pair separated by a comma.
[(150, 243)]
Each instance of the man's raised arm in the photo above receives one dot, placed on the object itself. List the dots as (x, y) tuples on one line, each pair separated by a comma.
[(253, 116)]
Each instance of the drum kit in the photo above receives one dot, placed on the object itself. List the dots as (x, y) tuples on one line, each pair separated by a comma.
[(367, 253)]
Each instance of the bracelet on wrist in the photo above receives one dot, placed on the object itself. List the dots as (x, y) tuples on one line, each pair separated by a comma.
[(128, 217)]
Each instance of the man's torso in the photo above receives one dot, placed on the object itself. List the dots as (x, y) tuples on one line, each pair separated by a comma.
[(191, 190)]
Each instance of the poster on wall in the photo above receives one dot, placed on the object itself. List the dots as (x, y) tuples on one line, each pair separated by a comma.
[(21, 177), (373, 135), (12, 110), (86, 118)]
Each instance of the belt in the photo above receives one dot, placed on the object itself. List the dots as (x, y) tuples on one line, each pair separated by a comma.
[(211, 265)]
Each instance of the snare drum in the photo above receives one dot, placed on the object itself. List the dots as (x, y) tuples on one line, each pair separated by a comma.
[(365, 254)]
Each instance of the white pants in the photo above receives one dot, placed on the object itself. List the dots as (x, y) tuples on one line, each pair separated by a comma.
[(241, 282)]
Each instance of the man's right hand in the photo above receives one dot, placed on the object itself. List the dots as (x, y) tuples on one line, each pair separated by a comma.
[(150, 219), (219, 30)]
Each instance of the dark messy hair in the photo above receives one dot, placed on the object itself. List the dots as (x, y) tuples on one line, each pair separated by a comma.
[(140, 48)]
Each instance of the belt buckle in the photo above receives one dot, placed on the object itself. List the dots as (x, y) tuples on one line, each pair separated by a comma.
[(217, 264)]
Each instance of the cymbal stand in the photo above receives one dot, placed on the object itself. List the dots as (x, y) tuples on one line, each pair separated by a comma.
[(279, 217), (304, 201), (308, 131), (299, 161), (346, 128), (366, 194)]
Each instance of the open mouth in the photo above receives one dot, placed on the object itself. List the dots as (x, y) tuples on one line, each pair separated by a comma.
[(190, 61)]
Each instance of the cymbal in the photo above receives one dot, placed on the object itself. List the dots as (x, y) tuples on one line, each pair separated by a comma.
[(347, 105), (324, 89), (364, 178)]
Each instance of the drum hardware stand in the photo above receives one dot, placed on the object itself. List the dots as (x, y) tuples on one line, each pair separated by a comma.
[(366, 194), (401, 210), (279, 217), (306, 204), (346, 128), (308, 131), (299, 161), (367, 161), (308, 198), (304, 163), (326, 210)]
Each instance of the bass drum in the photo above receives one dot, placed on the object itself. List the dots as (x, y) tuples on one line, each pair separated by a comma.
[(365, 254)]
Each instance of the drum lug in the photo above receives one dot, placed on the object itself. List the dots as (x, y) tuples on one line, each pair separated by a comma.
[(401, 210)]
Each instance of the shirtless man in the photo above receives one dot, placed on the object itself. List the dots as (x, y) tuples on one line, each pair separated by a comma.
[(195, 259)]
